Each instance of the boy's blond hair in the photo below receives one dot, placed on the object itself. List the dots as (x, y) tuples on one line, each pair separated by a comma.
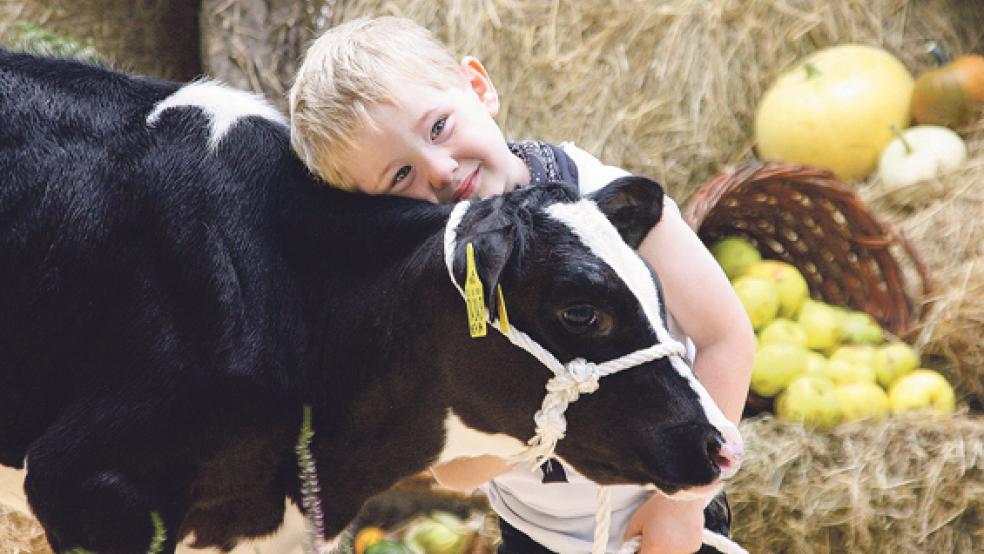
[(346, 71)]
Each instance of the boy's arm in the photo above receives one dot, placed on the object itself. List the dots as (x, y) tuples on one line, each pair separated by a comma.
[(704, 304), (466, 474), (698, 293), (701, 299)]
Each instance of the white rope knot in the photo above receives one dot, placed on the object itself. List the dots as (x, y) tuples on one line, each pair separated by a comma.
[(551, 426), (580, 377)]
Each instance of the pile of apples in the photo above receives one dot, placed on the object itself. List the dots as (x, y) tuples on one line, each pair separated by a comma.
[(437, 533), (823, 364)]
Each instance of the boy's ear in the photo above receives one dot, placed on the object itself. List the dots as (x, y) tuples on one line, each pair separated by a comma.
[(480, 83), (633, 204), (493, 235)]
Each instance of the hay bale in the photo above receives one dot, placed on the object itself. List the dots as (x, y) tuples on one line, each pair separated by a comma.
[(943, 218), (20, 533), (255, 44), (911, 484), (667, 89), (154, 37)]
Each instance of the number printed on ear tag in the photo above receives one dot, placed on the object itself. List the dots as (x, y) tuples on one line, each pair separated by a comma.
[(474, 295)]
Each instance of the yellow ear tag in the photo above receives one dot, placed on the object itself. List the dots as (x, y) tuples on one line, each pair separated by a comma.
[(503, 316), (474, 295)]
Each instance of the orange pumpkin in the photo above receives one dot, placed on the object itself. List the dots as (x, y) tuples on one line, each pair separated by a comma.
[(970, 73), (943, 96), (366, 537)]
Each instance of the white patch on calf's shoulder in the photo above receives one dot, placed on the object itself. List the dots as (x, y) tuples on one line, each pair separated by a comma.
[(223, 105), (461, 441), (590, 225)]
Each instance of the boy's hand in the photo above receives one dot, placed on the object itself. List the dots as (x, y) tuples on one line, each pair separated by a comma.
[(668, 526)]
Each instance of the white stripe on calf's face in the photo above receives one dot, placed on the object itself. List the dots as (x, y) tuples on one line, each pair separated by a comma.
[(594, 230)]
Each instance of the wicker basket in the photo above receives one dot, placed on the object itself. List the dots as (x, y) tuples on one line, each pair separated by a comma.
[(805, 216)]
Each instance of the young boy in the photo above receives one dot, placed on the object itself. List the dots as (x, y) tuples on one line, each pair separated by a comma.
[(379, 106)]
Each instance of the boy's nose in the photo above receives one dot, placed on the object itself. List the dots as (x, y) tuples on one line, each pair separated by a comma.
[(440, 171)]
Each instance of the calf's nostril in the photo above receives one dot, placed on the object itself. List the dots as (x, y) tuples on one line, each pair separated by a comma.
[(730, 451), (713, 445), (725, 454), (729, 458)]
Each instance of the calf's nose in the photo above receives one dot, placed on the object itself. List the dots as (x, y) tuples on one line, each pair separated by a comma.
[(729, 454)]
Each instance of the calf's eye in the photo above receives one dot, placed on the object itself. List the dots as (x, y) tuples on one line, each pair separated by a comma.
[(579, 318)]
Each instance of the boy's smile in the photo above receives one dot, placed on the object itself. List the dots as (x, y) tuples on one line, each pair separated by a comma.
[(438, 145)]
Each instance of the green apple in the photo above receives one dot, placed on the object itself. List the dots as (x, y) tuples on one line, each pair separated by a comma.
[(895, 359), (387, 547), (433, 537), (782, 330), (735, 255), (922, 389), (760, 299), (816, 363), (860, 328), (821, 323), (859, 355), (812, 400), (862, 400), (841, 371), (790, 283), (775, 366), (448, 519)]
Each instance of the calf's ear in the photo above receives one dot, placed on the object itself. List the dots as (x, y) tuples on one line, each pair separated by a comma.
[(633, 204), (493, 233)]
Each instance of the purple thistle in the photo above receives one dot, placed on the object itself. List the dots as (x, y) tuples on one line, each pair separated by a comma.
[(314, 519)]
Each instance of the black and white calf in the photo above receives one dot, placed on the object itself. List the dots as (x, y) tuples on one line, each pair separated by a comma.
[(174, 287)]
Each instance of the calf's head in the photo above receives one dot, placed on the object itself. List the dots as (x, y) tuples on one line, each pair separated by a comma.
[(573, 283)]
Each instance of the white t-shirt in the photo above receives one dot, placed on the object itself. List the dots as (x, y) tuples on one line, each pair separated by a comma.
[(561, 516)]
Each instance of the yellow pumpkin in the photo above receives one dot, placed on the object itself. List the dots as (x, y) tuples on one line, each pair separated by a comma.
[(943, 96), (835, 109)]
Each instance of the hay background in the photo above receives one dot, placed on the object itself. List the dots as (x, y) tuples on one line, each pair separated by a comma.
[(667, 89), (20, 533), (908, 485), (153, 37), (255, 44)]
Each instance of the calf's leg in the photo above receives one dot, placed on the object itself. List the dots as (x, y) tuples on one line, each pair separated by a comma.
[(104, 512), (84, 501)]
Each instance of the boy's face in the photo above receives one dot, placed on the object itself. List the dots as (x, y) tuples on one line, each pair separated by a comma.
[(438, 145)]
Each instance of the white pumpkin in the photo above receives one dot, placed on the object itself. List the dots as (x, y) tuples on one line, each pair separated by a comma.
[(919, 153)]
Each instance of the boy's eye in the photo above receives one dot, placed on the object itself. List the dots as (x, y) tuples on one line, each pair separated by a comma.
[(401, 174), (438, 127)]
